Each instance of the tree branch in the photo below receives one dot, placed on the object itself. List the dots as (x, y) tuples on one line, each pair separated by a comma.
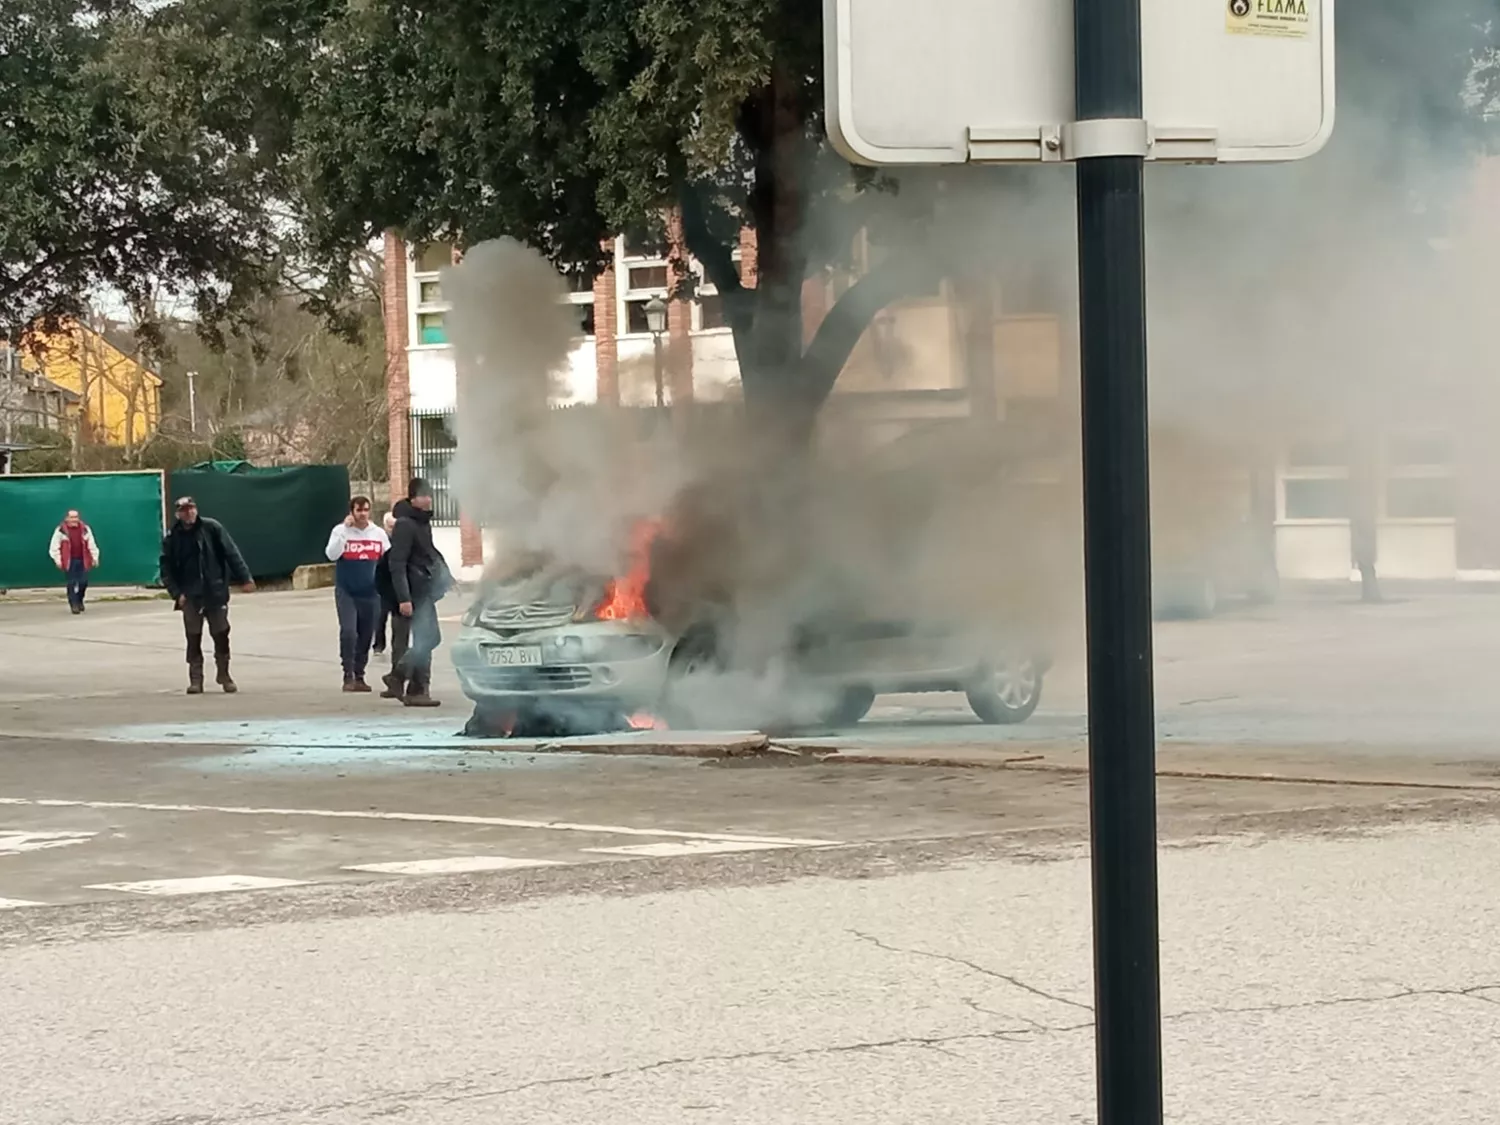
[(837, 336), (715, 255)]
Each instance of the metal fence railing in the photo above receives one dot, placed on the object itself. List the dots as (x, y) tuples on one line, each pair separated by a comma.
[(432, 448)]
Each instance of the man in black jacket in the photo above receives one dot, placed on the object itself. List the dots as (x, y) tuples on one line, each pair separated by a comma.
[(418, 577), (199, 563)]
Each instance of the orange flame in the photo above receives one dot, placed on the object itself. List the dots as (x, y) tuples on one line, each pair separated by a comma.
[(642, 721), (625, 597)]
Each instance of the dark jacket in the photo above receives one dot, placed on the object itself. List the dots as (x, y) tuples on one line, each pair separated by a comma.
[(201, 562), (383, 584), (418, 572)]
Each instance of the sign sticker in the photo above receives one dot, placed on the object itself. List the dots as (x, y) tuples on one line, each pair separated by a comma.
[(1275, 19)]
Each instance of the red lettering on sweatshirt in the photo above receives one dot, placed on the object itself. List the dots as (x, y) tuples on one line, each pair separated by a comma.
[(362, 550)]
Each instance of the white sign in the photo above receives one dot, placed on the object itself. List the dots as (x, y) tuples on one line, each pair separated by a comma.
[(953, 81), (13, 843)]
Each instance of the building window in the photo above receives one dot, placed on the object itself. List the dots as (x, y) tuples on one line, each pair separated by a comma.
[(1419, 477), (432, 448), (1316, 499), (1315, 481), (429, 309), (643, 281), (581, 297), (708, 305), (431, 257), (711, 312), (648, 277), (432, 328)]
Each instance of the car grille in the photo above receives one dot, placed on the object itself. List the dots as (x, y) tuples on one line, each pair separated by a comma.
[(520, 617), (561, 677)]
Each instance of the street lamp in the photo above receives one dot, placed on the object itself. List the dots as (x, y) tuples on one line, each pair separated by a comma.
[(656, 323)]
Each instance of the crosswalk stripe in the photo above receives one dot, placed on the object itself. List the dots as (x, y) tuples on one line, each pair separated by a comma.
[(687, 847), (206, 884), (17, 903), (454, 865)]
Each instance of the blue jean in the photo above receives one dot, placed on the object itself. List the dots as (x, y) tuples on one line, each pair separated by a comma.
[(415, 664), (78, 581), (357, 618)]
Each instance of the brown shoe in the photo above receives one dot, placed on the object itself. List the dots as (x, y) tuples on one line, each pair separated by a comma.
[(195, 686), (395, 686), (422, 700), (356, 685)]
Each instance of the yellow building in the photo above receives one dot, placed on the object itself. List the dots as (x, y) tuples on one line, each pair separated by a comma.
[(119, 398)]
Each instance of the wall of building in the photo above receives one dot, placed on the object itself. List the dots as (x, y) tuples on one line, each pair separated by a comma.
[(119, 397)]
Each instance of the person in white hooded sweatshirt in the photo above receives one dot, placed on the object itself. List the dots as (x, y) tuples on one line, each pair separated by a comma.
[(355, 547)]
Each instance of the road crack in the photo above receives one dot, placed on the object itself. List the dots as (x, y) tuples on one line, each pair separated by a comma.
[(398, 1103), (1015, 982)]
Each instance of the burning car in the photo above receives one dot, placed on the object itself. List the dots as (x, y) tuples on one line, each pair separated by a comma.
[(561, 651)]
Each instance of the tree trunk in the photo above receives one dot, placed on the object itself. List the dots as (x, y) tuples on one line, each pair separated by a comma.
[(1364, 490)]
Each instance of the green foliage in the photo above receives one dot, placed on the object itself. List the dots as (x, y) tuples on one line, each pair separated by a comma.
[(49, 452), (116, 175)]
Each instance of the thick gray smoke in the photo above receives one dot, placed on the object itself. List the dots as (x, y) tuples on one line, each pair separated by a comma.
[(547, 483), (1284, 301)]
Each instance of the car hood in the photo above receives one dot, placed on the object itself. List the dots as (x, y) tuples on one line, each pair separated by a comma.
[(538, 599)]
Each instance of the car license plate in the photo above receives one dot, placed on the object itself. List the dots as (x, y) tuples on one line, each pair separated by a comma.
[(512, 656)]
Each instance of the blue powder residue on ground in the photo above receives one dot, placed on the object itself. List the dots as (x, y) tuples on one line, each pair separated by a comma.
[(333, 744)]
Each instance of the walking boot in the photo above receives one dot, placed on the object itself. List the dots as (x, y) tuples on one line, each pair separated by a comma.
[(195, 681), (395, 686), (417, 693), (225, 680)]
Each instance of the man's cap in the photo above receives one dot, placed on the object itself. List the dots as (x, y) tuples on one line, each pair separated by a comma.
[(185, 502)]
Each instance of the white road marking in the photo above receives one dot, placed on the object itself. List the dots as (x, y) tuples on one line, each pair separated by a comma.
[(690, 847), (17, 903), (207, 884), (454, 865), (13, 843), (425, 818)]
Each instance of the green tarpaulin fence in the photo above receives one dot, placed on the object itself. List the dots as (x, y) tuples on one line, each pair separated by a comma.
[(279, 517), (123, 509)]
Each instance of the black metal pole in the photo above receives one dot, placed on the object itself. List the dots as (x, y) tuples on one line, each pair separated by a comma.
[(1117, 564)]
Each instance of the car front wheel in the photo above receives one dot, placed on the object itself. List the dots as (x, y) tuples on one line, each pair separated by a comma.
[(851, 706), (1007, 691)]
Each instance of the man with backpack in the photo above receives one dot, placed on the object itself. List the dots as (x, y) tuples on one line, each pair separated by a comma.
[(415, 578)]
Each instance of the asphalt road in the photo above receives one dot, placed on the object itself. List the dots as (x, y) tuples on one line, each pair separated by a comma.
[(292, 905)]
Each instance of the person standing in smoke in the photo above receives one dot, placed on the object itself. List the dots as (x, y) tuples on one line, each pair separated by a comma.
[(199, 563), (388, 521), (355, 547), (75, 553), (419, 577)]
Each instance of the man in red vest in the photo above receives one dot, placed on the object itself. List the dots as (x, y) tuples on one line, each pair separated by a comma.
[(75, 553)]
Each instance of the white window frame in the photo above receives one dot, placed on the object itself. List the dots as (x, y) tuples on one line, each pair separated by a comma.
[(1288, 472), (420, 308), (625, 296), (584, 298), (1391, 471), (705, 288)]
